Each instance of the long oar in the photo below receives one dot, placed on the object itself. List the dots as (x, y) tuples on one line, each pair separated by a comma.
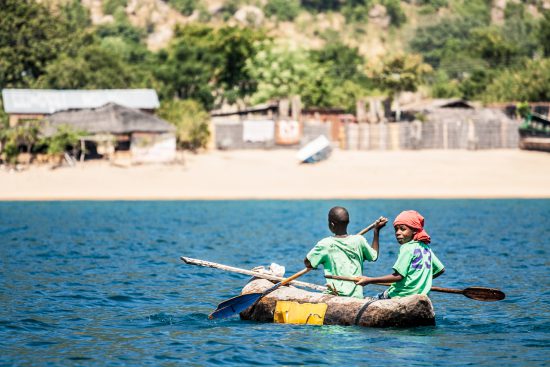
[(256, 274), (240, 303), (477, 293)]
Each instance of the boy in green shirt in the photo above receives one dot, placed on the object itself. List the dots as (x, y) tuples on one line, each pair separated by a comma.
[(343, 254), (416, 263)]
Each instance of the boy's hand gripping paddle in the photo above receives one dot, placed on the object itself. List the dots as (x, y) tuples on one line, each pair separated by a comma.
[(477, 293), (240, 303)]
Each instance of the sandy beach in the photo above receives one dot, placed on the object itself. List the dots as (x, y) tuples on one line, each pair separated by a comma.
[(277, 175)]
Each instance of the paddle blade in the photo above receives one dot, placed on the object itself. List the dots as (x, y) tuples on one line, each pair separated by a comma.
[(234, 300), (234, 305), (484, 294)]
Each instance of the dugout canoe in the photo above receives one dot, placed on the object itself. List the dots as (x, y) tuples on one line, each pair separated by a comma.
[(296, 306)]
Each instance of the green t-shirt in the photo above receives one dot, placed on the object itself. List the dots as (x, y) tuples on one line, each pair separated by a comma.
[(417, 264), (343, 256)]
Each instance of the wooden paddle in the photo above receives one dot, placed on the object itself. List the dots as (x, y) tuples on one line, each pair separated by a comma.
[(477, 293), (240, 303)]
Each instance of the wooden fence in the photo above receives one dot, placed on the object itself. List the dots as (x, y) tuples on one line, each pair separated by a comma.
[(468, 132), (445, 129)]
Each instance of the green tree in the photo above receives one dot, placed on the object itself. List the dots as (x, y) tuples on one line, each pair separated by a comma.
[(12, 140), (186, 7), (316, 89), (339, 78), (284, 10), (452, 34), (342, 62), (111, 6), (31, 37), (396, 14), (520, 29), (75, 14), (121, 27), (125, 43), (203, 63), (357, 10), (430, 6), (330, 77), (474, 84), (234, 45), (528, 83), (321, 5), (544, 33), (4, 118), (490, 45), (190, 120), (435, 3), (229, 8), (9, 146), (92, 68), (319, 90), (278, 71), (402, 72), (444, 87), (187, 67)]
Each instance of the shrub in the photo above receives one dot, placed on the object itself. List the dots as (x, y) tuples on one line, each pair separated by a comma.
[(64, 139), (13, 139), (190, 120)]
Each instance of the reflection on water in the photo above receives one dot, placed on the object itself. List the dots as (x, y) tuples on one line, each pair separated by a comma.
[(91, 283)]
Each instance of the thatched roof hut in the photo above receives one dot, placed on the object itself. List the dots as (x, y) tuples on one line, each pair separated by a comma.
[(108, 119)]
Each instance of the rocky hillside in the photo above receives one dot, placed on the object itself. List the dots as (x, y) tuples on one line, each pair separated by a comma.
[(374, 36)]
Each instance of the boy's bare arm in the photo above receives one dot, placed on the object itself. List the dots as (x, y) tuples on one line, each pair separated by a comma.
[(379, 224), (391, 278), (307, 263)]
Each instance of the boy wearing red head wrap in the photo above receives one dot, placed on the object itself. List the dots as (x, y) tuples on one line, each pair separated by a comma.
[(416, 263)]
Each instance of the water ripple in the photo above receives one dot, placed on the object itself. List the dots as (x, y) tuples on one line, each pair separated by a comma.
[(112, 291)]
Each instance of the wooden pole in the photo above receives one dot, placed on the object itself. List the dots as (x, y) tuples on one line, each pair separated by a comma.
[(232, 269)]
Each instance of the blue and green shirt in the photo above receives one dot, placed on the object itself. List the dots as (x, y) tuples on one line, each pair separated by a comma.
[(417, 264)]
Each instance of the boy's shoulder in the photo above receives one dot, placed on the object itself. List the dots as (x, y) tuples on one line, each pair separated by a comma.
[(410, 245), (414, 244), (326, 241), (349, 239)]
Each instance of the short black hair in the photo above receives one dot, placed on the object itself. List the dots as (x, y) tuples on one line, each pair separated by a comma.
[(338, 215)]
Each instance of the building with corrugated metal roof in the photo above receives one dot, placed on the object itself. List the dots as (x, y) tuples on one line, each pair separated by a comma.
[(35, 104), (117, 121)]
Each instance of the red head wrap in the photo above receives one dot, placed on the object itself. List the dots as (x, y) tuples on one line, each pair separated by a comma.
[(413, 219)]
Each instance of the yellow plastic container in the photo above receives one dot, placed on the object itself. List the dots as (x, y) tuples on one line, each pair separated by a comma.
[(287, 312)]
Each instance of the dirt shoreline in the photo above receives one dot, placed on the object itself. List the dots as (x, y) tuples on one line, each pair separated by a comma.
[(258, 174)]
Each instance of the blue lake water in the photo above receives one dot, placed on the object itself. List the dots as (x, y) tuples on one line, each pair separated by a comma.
[(101, 283)]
